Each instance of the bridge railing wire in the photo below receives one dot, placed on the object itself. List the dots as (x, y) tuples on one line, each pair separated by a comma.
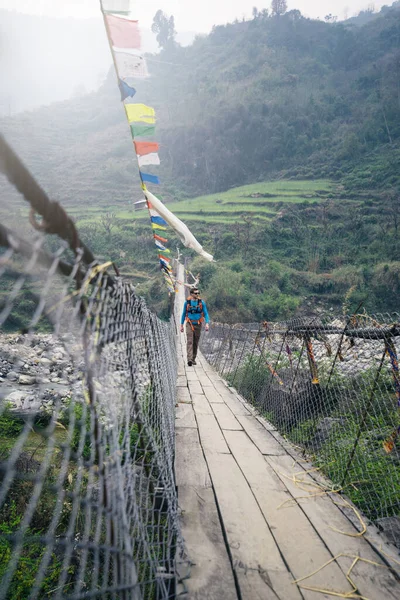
[(88, 505), (332, 387)]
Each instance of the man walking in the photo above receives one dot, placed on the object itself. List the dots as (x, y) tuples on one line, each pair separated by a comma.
[(194, 313)]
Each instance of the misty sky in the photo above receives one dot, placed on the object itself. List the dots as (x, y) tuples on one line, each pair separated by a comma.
[(191, 15)]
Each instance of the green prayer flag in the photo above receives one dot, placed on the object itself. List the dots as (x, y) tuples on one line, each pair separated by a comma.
[(141, 129)]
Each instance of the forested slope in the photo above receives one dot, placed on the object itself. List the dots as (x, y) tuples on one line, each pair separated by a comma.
[(271, 98), (253, 98)]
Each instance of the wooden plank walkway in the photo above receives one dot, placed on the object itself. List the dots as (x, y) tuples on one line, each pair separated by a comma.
[(253, 514)]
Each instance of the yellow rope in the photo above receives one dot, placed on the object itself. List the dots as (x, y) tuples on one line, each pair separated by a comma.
[(322, 492), (351, 594)]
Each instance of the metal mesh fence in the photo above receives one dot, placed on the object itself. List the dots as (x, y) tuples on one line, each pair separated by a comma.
[(332, 387), (88, 505)]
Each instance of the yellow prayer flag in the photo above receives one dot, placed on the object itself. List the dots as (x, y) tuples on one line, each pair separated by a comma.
[(141, 113)]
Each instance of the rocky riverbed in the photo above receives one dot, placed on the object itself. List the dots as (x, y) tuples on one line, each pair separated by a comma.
[(36, 371)]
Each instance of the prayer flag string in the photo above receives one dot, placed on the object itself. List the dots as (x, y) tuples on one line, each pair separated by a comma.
[(124, 38), (125, 43)]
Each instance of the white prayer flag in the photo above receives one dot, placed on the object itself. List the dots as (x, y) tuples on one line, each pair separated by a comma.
[(117, 6), (181, 229), (130, 65), (148, 159)]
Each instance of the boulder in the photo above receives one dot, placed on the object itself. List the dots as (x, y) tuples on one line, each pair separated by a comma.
[(26, 380), (16, 399)]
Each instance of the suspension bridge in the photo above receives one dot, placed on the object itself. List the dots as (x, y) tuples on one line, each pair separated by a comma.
[(257, 518), (144, 478)]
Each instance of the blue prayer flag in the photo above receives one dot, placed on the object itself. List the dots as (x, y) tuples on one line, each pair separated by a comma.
[(126, 90), (149, 178), (158, 221)]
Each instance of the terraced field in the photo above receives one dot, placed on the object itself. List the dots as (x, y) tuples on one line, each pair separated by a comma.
[(262, 200)]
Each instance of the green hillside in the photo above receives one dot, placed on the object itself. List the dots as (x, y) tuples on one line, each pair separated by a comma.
[(279, 146), (289, 95)]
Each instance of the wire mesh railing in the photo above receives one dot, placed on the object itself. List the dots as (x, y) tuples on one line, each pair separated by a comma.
[(88, 504), (332, 387)]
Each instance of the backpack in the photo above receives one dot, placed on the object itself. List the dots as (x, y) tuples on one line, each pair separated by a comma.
[(194, 310)]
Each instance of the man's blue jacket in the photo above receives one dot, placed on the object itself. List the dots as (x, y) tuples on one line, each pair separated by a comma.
[(194, 314)]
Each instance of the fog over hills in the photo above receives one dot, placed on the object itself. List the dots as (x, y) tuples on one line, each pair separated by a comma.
[(45, 59)]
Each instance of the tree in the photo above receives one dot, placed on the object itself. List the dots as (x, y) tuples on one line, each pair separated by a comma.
[(108, 222), (255, 12), (164, 27), (330, 18), (278, 7)]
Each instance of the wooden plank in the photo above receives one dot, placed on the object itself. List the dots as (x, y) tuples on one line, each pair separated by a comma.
[(225, 417), (182, 381), (298, 541), (191, 375), (211, 436), (220, 387), (211, 576), (195, 387), (372, 582), (184, 395), (205, 382), (260, 436), (253, 548), (268, 426), (200, 405), (213, 396), (190, 466), (235, 405), (184, 416)]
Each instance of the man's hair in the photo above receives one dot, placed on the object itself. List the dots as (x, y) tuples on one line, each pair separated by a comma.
[(194, 289)]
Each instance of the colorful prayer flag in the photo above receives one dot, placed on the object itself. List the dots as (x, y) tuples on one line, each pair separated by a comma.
[(123, 33), (160, 227), (180, 228), (158, 221), (165, 268), (149, 178), (143, 148), (160, 246), (126, 90), (130, 65), (140, 112), (149, 159), (138, 130), (160, 239)]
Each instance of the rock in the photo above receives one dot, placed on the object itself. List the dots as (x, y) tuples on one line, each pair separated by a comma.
[(26, 380), (32, 404), (12, 375), (16, 399), (46, 362)]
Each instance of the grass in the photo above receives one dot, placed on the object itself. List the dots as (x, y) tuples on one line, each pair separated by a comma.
[(225, 207)]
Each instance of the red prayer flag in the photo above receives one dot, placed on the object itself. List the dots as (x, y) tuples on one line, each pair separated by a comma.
[(143, 148), (160, 239), (123, 33)]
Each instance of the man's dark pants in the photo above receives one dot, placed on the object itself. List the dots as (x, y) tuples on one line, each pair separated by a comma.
[(193, 333)]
